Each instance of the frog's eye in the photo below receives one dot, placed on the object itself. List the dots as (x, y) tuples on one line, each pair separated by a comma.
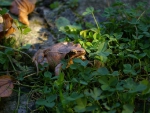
[(77, 45), (73, 51)]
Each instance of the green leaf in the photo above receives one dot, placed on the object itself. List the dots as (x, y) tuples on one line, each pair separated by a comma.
[(74, 27), (103, 80), (26, 30), (79, 108), (45, 103), (88, 44), (54, 5), (115, 73), (47, 74), (74, 66), (60, 80), (83, 63), (91, 108), (96, 36), (147, 53), (134, 21), (74, 80), (51, 98), (9, 51), (27, 46), (46, 90), (41, 102), (83, 33), (128, 69), (50, 104), (141, 55), (6, 3), (102, 52), (48, 101), (61, 22), (81, 105), (2, 60), (118, 35), (133, 56), (103, 71), (138, 88), (89, 10), (83, 82), (96, 93), (74, 96), (3, 11), (102, 46), (105, 87), (133, 87), (128, 108)]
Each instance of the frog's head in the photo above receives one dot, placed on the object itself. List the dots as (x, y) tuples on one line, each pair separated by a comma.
[(75, 51)]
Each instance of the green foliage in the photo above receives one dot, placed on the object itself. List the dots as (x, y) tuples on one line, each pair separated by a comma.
[(11, 59), (121, 44), (120, 85), (3, 11), (55, 4), (72, 3), (5, 3), (61, 22)]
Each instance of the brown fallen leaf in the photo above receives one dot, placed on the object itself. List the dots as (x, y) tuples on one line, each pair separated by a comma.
[(6, 25), (6, 86), (98, 64), (22, 8)]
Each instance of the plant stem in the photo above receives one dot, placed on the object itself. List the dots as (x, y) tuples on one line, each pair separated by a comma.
[(28, 85), (16, 50), (11, 63), (18, 99), (144, 106), (96, 21)]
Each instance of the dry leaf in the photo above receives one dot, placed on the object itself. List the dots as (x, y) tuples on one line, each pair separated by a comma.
[(6, 86), (98, 64), (6, 26), (1, 19), (22, 8)]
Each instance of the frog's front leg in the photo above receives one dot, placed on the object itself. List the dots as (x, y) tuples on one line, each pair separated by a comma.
[(58, 69), (39, 58)]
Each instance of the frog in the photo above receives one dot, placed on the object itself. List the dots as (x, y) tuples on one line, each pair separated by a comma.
[(54, 54)]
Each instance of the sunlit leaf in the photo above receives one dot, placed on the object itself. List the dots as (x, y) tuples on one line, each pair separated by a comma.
[(26, 30), (83, 33)]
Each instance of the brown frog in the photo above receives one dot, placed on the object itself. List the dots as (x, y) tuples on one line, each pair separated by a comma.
[(55, 53)]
